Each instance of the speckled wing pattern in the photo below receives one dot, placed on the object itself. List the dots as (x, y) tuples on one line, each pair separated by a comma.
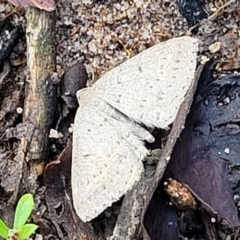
[(150, 87), (108, 136)]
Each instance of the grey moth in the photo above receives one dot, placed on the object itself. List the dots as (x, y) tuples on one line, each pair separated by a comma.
[(114, 117)]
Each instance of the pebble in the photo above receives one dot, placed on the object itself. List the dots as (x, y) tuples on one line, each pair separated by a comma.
[(236, 197), (227, 100), (55, 134), (19, 110), (215, 47), (70, 129), (213, 220), (228, 237), (38, 237), (227, 150), (2, 8), (204, 59), (92, 47)]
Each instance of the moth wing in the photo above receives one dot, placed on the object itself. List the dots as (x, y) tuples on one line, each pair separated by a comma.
[(104, 164), (150, 87)]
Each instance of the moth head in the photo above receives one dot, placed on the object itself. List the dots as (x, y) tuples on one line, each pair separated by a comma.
[(85, 95)]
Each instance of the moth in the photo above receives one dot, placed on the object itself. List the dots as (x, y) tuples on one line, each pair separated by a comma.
[(115, 118), (47, 5)]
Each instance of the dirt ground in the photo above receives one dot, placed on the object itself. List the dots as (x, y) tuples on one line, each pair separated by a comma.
[(101, 35)]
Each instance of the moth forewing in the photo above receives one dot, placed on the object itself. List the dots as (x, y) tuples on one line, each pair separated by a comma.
[(110, 124)]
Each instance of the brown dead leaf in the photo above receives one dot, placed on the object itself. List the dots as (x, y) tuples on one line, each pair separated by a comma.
[(74, 79), (58, 196)]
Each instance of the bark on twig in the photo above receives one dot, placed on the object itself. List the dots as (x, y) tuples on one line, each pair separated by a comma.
[(40, 98), (57, 176), (128, 226)]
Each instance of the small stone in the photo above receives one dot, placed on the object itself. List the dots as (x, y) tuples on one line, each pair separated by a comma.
[(54, 134), (170, 224), (38, 237), (227, 100), (55, 79), (68, 23), (92, 47), (227, 150), (2, 8), (228, 237), (70, 129), (204, 59), (236, 197), (8, 8), (215, 47), (213, 220), (8, 34), (19, 110), (131, 12), (118, 6), (87, 1)]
